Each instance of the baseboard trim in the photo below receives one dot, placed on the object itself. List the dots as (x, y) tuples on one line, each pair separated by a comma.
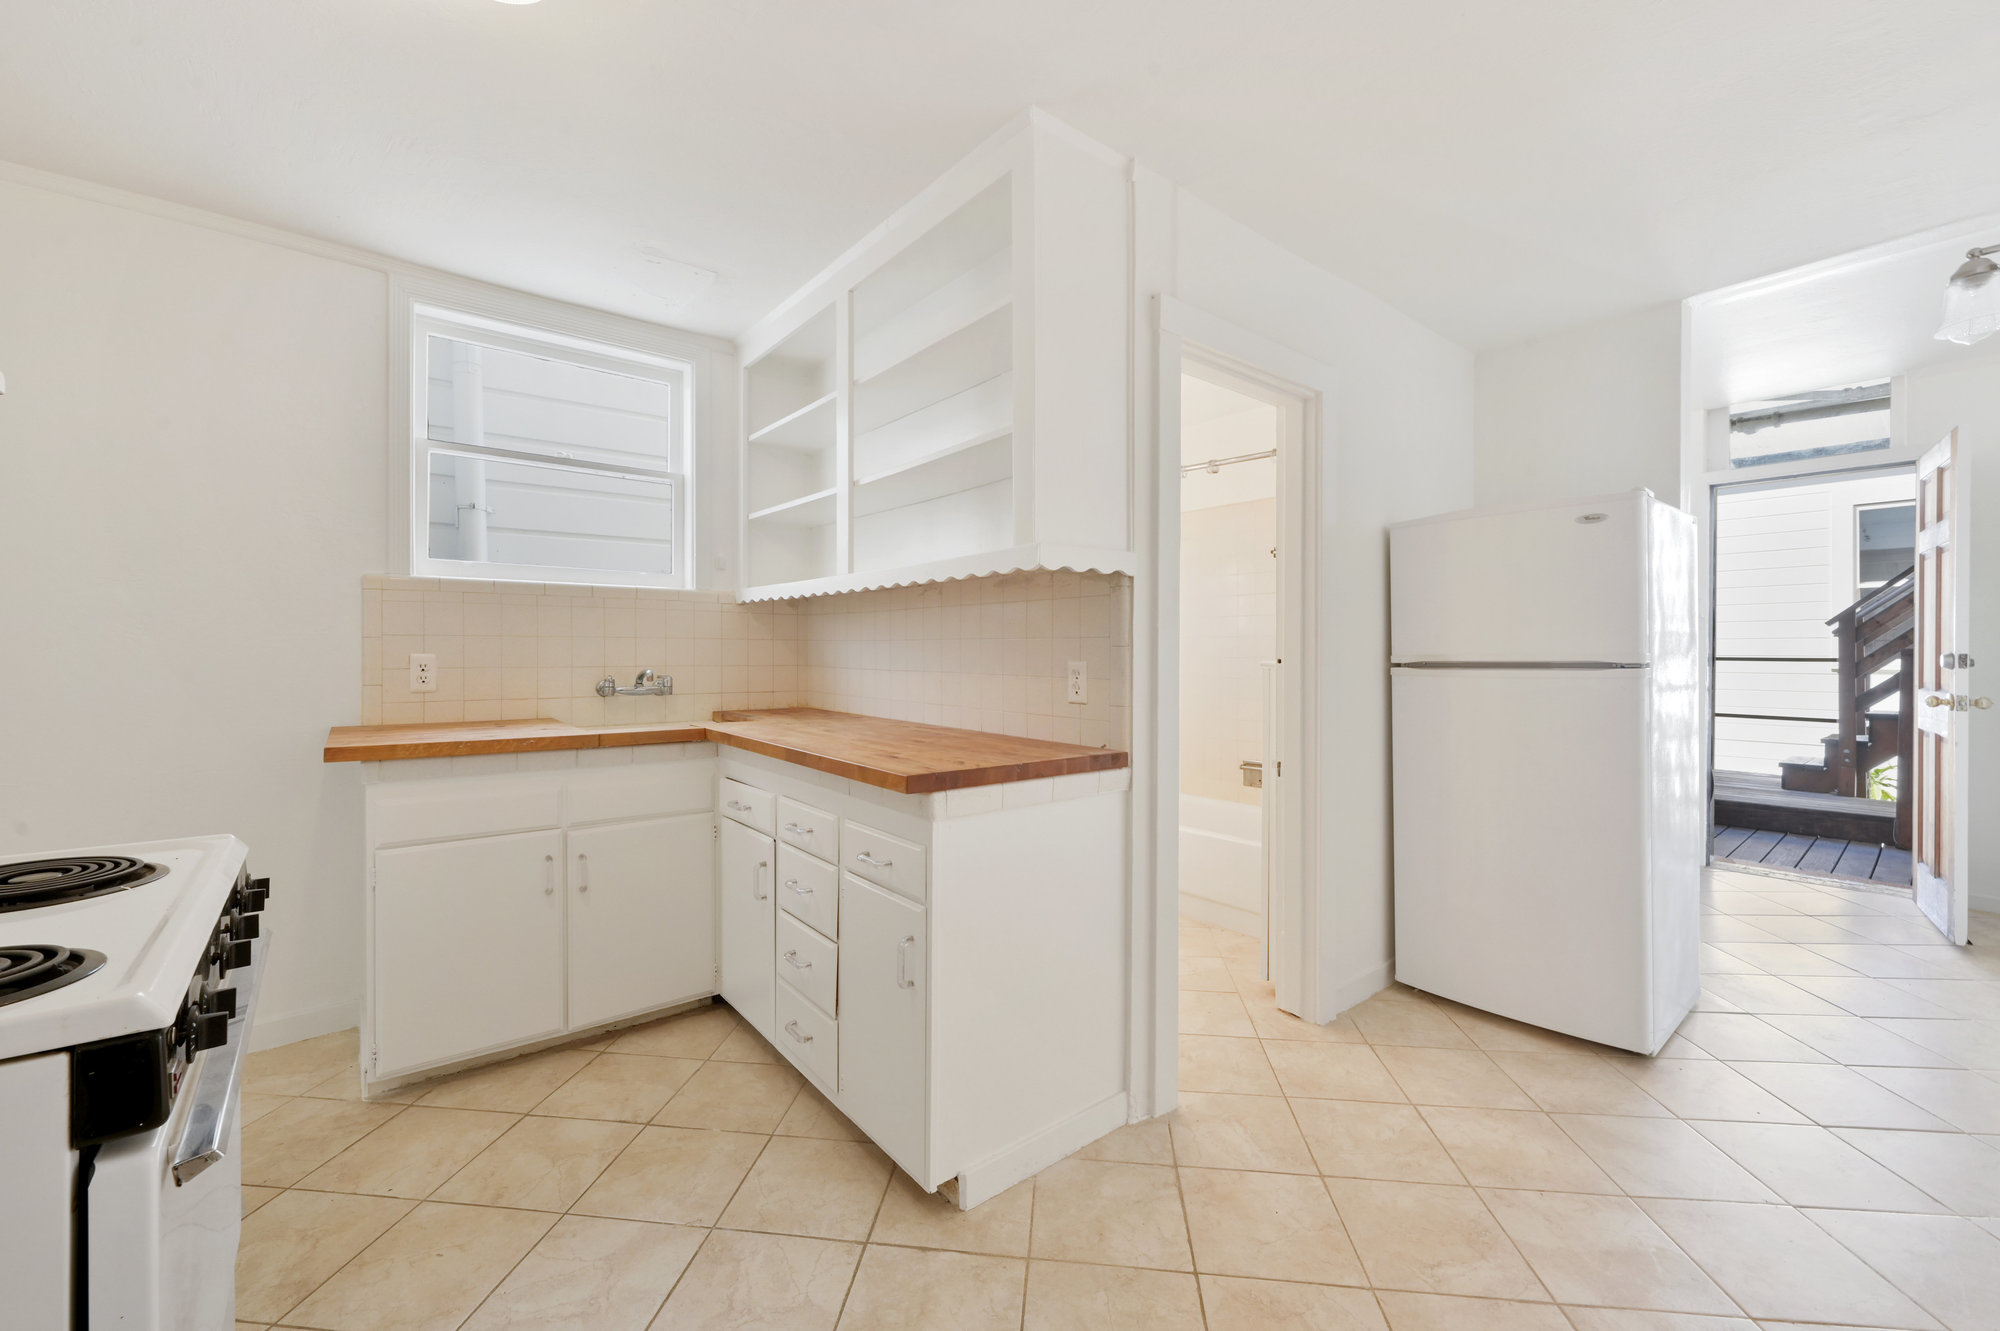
[(1356, 989), (991, 1177), (1233, 918), (269, 1030)]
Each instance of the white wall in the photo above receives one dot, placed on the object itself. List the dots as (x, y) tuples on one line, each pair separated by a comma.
[(191, 487), (194, 453), (1399, 445), (1592, 410)]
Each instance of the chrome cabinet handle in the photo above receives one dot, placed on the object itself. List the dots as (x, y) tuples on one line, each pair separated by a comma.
[(796, 830), (739, 806), (792, 885), (792, 956), (548, 875), (757, 881), (582, 873), (792, 1029), (903, 980), (865, 857)]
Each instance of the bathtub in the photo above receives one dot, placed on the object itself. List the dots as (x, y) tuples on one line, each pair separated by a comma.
[(1222, 863)]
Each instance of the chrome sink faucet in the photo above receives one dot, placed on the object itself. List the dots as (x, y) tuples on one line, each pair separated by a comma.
[(649, 684)]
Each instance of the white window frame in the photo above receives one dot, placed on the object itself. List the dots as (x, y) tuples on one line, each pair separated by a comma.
[(512, 321)]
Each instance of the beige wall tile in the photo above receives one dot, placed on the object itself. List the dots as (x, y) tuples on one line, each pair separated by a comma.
[(1229, 625)]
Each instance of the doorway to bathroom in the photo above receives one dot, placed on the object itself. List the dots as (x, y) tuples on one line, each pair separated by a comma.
[(1228, 650)]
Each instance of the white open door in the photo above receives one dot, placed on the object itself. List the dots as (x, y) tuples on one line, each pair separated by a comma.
[(1943, 693)]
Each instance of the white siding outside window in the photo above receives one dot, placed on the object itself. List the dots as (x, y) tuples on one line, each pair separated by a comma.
[(546, 459)]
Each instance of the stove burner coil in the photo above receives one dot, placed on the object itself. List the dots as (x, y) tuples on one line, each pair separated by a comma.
[(36, 968), (31, 883)]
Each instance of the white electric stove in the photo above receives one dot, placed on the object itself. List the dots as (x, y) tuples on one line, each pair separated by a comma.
[(128, 976)]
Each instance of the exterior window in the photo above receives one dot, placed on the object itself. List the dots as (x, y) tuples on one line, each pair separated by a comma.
[(1823, 423), (541, 458)]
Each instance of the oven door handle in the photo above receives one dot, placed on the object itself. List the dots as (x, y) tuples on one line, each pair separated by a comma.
[(218, 1082)]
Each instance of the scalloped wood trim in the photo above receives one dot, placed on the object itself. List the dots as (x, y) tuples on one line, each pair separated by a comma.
[(1019, 559)]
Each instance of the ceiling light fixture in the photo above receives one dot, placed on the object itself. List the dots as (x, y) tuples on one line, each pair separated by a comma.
[(1972, 299)]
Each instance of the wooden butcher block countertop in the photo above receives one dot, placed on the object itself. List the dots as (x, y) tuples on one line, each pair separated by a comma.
[(894, 755)]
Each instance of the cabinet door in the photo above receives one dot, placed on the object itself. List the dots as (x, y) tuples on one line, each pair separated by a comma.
[(468, 948), (883, 996), (747, 876), (641, 916)]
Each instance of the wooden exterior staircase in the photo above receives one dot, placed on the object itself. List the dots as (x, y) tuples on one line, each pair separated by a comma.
[(1874, 633)]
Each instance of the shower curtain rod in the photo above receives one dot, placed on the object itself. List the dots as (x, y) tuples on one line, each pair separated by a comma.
[(1214, 465)]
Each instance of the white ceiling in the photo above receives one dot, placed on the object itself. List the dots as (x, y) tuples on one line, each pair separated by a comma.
[(1864, 317), (1498, 170)]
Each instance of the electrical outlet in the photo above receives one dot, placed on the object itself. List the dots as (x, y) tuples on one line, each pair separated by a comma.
[(423, 672), (1079, 682)]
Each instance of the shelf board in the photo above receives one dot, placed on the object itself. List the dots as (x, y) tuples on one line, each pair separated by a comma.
[(811, 426), (813, 510), (954, 306), (961, 466), (984, 411)]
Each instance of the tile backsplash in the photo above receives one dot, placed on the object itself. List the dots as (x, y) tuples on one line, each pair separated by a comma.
[(511, 650), (984, 654)]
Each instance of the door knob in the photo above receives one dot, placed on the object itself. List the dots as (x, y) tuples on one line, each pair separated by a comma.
[(1982, 703), (1937, 700)]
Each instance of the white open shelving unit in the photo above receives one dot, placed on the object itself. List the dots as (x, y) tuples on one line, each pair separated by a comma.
[(949, 398)]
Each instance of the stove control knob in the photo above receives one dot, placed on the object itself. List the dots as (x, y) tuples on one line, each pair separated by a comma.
[(211, 1029), (255, 895), (243, 926), (219, 1000), (233, 955)]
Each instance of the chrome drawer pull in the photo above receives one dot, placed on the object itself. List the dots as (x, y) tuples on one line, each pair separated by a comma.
[(903, 963), (739, 806), (865, 857), (796, 830), (583, 873), (793, 958), (757, 881), (792, 884), (548, 875), (792, 1029)]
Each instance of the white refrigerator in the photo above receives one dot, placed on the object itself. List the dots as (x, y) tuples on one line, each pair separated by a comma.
[(1549, 828)]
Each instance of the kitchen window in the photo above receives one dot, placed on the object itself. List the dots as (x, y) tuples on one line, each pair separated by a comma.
[(541, 457)]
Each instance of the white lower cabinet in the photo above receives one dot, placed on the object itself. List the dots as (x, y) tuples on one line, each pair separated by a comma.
[(883, 998), (746, 878), (485, 937), (493, 901), (641, 916), (950, 971)]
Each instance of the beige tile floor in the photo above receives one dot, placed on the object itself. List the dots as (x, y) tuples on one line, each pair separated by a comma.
[(1820, 1145)]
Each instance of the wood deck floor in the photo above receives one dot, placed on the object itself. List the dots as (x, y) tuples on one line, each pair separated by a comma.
[(1824, 857)]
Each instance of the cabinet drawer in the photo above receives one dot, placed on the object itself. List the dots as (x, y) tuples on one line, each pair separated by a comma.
[(809, 889), (809, 962), (808, 1037), (810, 829), (748, 805), (643, 790), (887, 861), (459, 809)]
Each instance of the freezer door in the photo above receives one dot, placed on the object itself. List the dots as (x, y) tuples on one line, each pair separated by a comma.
[(1522, 866), (1555, 583)]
